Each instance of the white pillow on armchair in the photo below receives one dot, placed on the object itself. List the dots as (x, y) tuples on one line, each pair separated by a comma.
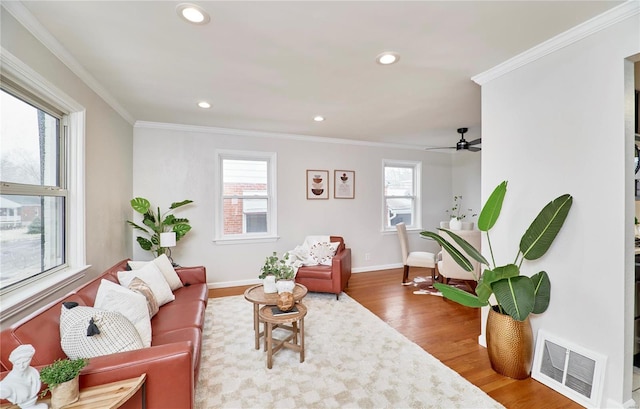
[(314, 251)]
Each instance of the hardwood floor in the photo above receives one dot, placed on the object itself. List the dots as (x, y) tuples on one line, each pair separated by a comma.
[(446, 330)]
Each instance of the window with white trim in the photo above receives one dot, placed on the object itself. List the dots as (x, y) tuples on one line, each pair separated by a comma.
[(401, 181), (33, 186), (246, 192)]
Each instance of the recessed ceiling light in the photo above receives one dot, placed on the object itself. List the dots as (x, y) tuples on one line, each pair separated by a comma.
[(193, 13), (318, 118), (204, 104), (387, 57)]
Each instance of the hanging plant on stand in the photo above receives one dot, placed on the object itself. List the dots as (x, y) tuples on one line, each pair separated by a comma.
[(156, 223)]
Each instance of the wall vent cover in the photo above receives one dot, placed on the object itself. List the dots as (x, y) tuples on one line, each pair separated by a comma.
[(569, 369)]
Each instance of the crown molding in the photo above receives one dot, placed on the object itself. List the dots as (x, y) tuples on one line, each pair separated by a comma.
[(577, 33), (24, 17), (261, 134)]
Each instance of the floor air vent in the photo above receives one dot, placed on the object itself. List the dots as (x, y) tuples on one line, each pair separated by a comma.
[(569, 369)]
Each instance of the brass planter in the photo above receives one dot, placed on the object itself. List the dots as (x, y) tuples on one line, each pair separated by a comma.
[(510, 345)]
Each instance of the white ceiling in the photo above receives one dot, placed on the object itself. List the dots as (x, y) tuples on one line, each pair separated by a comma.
[(273, 66)]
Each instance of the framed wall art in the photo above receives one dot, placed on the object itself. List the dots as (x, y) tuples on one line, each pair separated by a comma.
[(317, 184), (344, 184)]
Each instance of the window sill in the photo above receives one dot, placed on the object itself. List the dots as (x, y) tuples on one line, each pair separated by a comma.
[(246, 240), (17, 300)]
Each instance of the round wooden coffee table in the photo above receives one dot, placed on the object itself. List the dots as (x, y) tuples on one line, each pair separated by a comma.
[(294, 341), (257, 296)]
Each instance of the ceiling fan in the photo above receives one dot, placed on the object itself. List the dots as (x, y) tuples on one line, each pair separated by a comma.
[(463, 144)]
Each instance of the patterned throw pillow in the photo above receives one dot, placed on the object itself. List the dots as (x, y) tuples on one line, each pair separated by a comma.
[(141, 287), (154, 279), (116, 332), (323, 252), (165, 267)]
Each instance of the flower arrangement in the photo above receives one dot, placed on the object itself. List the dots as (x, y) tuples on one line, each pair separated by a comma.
[(456, 211)]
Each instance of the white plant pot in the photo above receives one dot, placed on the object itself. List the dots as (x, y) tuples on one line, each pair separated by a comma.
[(269, 283), (285, 286), (455, 224)]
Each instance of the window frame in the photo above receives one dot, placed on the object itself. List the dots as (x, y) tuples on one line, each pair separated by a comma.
[(416, 167), (23, 295), (271, 234)]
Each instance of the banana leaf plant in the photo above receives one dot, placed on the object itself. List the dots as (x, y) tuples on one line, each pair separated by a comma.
[(155, 223), (516, 295)]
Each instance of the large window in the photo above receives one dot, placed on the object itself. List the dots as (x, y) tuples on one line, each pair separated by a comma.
[(401, 194), (247, 199), (33, 194)]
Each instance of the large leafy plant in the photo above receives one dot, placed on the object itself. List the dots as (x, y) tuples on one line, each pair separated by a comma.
[(516, 295), (154, 223)]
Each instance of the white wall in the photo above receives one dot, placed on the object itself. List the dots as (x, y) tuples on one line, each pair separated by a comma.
[(108, 154), (174, 163), (466, 182), (554, 126)]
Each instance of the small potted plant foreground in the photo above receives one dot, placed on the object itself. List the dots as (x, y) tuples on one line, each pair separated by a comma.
[(61, 378)]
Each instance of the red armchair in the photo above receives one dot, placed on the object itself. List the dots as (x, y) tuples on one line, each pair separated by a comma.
[(328, 279)]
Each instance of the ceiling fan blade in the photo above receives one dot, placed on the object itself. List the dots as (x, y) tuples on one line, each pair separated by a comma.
[(441, 147), (474, 149), (475, 141)]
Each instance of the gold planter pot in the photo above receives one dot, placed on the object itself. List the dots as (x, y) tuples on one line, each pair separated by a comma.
[(510, 345), (65, 393)]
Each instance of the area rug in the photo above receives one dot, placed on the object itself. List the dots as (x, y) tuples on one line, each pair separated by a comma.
[(353, 360)]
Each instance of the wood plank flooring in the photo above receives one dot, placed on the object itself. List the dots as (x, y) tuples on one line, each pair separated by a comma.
[(446, 330)]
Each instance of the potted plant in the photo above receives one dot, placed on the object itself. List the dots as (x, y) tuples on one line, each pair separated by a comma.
[(61, 378), (155, 223), (276, 269), (457, 214), (516, 296)]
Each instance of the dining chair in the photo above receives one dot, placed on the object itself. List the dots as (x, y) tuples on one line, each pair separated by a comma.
[(449, 269), (414, 258)]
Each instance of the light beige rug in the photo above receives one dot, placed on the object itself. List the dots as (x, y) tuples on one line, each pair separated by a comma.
[(353, 360)]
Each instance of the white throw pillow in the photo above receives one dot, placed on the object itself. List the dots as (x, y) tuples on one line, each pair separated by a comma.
[(323, 252), (117, 333), (154, 279), (165, 266), (133, 305)]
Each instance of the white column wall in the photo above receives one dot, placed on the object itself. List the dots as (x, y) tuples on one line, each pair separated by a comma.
[(554, 126)]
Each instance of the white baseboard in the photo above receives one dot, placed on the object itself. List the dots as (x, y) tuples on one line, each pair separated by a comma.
[(254, 281), (376, 268)]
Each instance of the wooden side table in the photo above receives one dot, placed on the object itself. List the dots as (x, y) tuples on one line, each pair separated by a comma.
[(108, 396), (293, 341), (257, 296)]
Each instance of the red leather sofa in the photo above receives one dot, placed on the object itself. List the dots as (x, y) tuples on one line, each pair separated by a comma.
[(171, 362), (328, 279)]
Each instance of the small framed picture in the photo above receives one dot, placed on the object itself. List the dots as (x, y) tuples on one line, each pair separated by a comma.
[(344, 184), (317, 184)]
